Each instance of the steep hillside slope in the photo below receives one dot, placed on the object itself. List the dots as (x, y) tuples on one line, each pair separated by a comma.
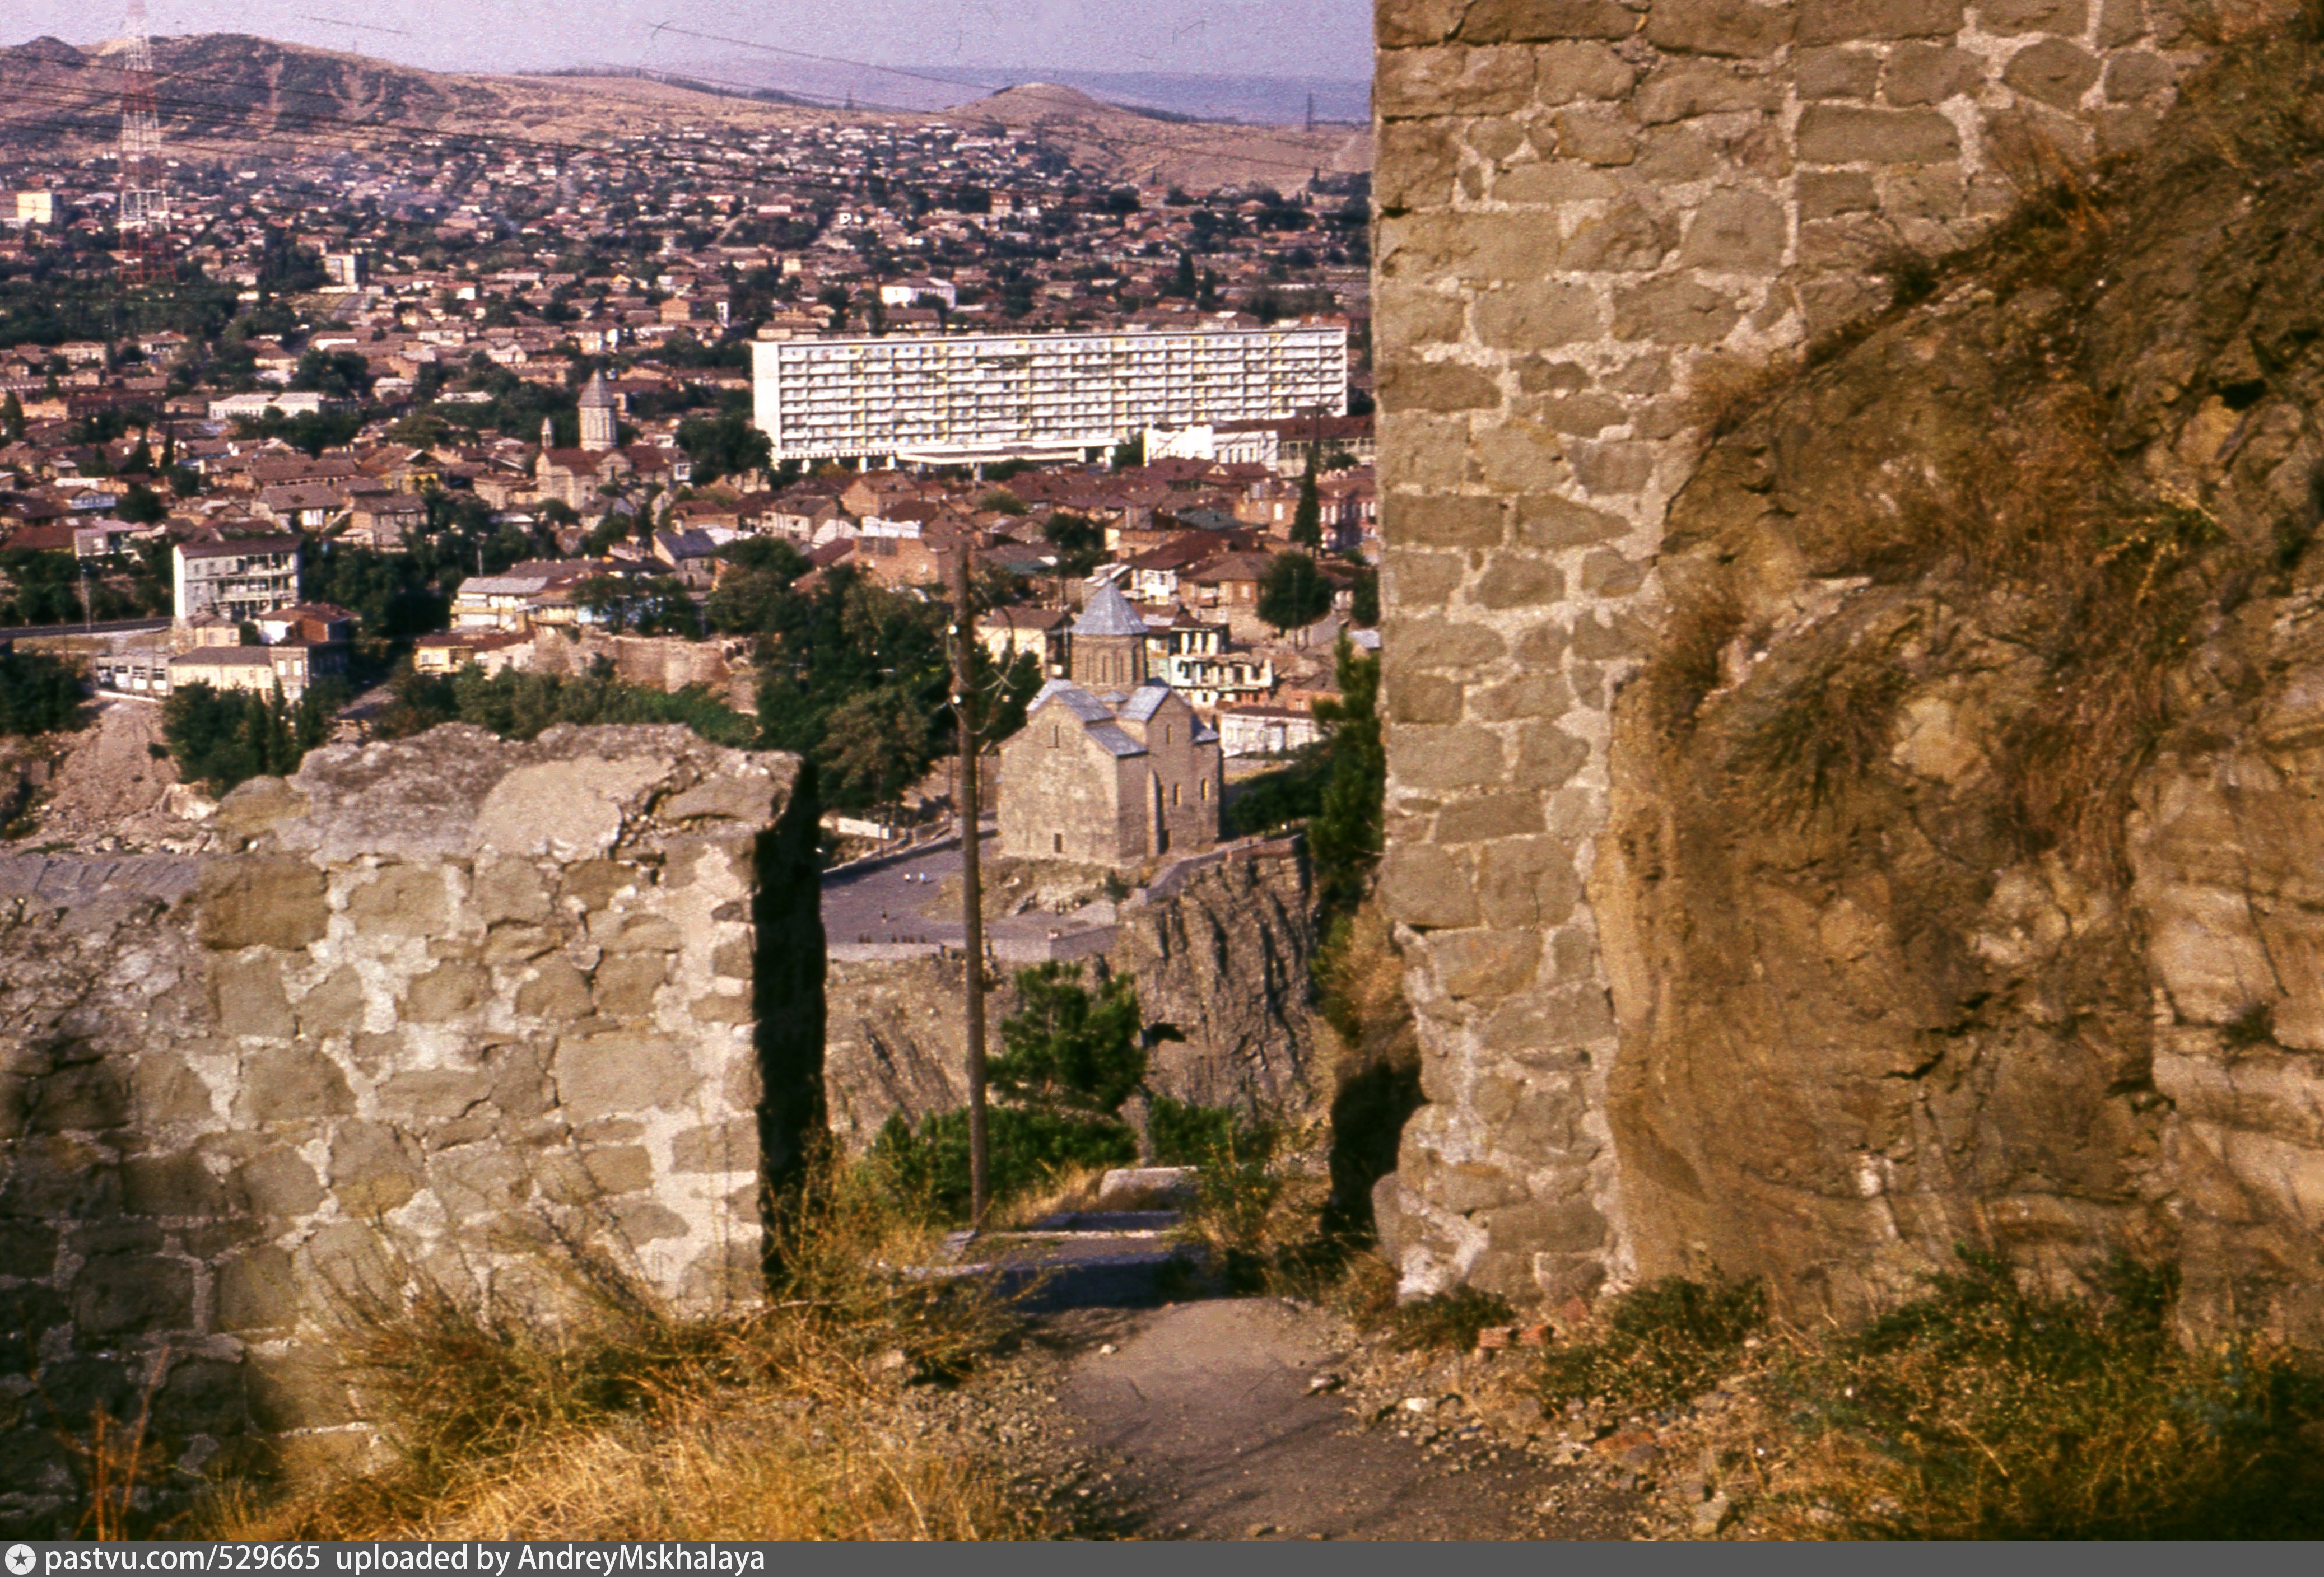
[(219, 92), (1962, 886)]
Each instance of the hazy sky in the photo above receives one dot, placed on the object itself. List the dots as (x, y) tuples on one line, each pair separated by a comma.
[(1305, 38)]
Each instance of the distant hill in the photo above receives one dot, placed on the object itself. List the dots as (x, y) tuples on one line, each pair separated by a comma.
[(221, 94)]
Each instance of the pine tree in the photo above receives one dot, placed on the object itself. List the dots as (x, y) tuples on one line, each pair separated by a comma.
[(1344, 837), (12, 417), (1185, 286), (1307, 520)]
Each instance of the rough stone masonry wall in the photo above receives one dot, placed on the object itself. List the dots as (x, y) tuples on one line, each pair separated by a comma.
[(424, 1003), (1586, 208)]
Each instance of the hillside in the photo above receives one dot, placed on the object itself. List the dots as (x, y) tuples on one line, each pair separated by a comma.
[(223, 92)]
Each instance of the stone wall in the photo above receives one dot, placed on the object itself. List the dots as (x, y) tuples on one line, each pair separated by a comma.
[(1224, 956), (661, 662), (1595, 216), (424, 1003)]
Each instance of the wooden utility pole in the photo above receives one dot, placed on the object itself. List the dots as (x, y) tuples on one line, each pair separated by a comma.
[(971, 884)]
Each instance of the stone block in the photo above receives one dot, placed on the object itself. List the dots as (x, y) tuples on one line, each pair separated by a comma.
[(299, 1389), (1454, 80), (401, 900), (179, 1185), (260, 903), (1700, 87), (1611, 469), (477, 1181), (1442, 520), (257, 1290), (1425, 888), (28, 1250), (276, 1184), (1624, 239), (507, 889), (1606, 573), (1512, 581), (202, 1395), (641, 1220), (1422, 452), (1424, 699), (375, 1169), (250, 1000), (1555, 182), (1547, 756), (293, 1085), (87, 1096), (2121, 22), (1535, 313), (1565, 1226), (1596, 137), (1469, 1186), (732, 1146), (1930, 74), (1485, 963), (1546, 520), (2137, 75), (2054, 71), (517, 943), (720, 1008), (165, 1090), (624, 986), (133, 1294), (1487, 817), (1419, 579), (593, 884), (1529, 695), (636, 931), (1516, 456), (1462, 757), (1736, 231), (1840, 22), (1420, 162), (1534, 21), (1826, 194), (1719, 27), (1569, 73), (557, 992), (417, 1095), (1406, 384), (2059, 18), (1674, 310), (446, 992), (1835, 133), (1836, 73), (607, 1076), (336, 1007), (1419, 22)]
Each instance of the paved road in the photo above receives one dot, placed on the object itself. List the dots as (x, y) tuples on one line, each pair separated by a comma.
[(102, 627), (906, 902)]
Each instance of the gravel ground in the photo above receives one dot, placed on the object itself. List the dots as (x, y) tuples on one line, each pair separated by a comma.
[(110, 791)]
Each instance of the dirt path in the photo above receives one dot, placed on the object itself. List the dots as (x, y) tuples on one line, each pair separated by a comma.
[(1208, 1416)]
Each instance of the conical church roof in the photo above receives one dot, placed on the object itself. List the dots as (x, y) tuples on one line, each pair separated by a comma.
[(1109, 612), (595, 396)]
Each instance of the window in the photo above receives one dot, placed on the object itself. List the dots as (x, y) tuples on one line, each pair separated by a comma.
[(1206, 788), (1173, 796), (1056, 843), (1056, 735)]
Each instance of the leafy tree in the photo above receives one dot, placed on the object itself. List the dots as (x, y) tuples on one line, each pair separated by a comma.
[(725, 445), (38, 694), (1345, 839), (141, 507), (1307, 520), (1130, 452), (12, 417), (1184, 284), (1070, 1052), (1292, 594), (518, 706), (335, 375), (1365, 609), (1080, 542), (220, 738), (877, 744)]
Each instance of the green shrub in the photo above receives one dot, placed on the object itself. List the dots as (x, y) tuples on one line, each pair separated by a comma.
[(926, 1163), (1660, 1344), (38, 694), (220, 738), (520, 705)]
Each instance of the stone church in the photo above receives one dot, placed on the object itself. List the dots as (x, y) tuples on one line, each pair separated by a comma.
[(1111, 768)]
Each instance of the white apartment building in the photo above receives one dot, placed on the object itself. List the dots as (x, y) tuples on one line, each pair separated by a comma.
[(237, 581), (953, 399)]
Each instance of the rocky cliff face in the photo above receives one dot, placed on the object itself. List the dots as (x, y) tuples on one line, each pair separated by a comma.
[(1225, 957), (1961, 882)]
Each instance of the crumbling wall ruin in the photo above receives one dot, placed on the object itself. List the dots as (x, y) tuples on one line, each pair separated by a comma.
[(424, 1003), (1595, 216)]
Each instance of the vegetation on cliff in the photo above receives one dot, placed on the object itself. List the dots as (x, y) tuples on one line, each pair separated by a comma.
[(38, 694)]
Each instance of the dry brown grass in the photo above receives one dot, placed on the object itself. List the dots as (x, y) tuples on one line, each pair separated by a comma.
[(593, 1409), (1690, 663), (750, 1469), (1820, 735), (1723, 391)]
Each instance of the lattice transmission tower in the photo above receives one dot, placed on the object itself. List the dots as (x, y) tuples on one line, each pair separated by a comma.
[(144, 219)]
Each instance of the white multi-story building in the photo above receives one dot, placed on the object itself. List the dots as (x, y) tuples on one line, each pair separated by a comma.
[(239, 581), (950, 399)]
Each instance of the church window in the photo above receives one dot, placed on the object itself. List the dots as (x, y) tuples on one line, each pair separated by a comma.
[(1173, 796), (1206, 788), (1056, 843)]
